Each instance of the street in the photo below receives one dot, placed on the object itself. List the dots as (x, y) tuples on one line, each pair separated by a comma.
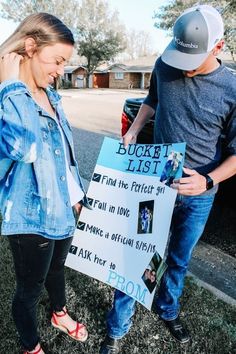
[(94, 114)]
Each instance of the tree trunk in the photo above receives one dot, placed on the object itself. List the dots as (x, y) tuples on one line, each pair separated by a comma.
[(87, 80)]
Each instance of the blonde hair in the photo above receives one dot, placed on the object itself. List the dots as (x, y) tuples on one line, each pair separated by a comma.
[(44, 28)]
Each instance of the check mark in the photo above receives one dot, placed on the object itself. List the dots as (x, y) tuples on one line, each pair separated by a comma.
[(90, 200), (81, 225), (96, 177), (73, 249)]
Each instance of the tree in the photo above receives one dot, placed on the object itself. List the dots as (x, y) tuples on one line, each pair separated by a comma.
[(17, 10), (138, 44), (229, 15), (100, 34), (167, 15)]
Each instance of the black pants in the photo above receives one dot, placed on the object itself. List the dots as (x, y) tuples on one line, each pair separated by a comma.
[(38, 261)]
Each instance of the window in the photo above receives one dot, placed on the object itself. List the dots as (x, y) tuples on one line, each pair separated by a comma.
[(119, 76)]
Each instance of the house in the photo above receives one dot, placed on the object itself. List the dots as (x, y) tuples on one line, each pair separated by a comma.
[(130, 74), (127, 75), (122, 76), (134, 73), (101, 76), (117, 76), (74, 76)]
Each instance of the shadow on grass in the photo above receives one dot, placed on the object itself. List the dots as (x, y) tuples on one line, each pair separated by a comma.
[(211, 322)]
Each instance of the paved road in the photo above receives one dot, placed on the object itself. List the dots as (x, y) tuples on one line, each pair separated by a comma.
[(94, 114), (96, 110)]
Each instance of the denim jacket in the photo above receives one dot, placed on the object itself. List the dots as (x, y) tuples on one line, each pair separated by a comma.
[(34, 195)]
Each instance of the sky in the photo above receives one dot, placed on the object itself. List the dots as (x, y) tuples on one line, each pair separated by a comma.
[(135, 14)]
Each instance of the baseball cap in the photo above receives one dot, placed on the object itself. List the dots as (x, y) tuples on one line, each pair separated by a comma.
[(196, 31)]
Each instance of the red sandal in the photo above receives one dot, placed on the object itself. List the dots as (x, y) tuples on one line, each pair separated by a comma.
[(73, 334), (37, 351)]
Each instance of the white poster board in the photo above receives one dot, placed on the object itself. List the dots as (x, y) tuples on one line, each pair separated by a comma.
[(122, 241)]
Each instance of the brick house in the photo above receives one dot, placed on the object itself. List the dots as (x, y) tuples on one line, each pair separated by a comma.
[(133, 73), (101, 76), (122, 76), (74, 76)]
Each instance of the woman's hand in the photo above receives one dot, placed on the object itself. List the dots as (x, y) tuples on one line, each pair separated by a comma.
[(10, 66), (78, 207)]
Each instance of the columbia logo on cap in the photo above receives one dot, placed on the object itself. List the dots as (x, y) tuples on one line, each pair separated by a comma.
[(186, 45)]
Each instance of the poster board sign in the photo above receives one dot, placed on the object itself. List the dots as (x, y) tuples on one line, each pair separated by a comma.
[(122, 241)]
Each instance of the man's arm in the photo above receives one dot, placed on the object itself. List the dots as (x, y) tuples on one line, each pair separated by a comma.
[(146, 111), (195, 183), (144, 114)]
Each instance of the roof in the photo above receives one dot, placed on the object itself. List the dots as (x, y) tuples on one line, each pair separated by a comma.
[(142, 61), (102, 68), (131, 69), (70, 69), (142, 64), (137, 68)]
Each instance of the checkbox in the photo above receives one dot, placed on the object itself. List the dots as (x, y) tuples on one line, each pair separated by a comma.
[(96, 177), (90, 201), (73, 249), (81, 225)]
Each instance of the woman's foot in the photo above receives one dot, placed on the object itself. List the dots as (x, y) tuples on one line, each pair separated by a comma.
[(61, 320), (36, 350)]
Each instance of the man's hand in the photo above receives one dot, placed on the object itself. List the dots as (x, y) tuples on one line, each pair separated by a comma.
[(144, 114), (10, 66), (194, 184), (129, 138)]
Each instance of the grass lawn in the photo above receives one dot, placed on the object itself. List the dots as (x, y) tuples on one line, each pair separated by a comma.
[(211, 322)]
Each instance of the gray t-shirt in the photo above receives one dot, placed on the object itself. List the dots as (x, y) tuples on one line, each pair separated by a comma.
[(195, 110)]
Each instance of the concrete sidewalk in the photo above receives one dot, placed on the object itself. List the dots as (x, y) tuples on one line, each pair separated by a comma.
[(98, 91), (215, 270)]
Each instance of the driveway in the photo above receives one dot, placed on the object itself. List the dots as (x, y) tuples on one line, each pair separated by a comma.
[(94, 114), (97, 110)]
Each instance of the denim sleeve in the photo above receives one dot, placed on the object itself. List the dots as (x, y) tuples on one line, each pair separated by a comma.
[(19, 123), (152, 97)]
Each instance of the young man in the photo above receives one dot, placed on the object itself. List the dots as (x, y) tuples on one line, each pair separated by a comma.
[(193, 97)]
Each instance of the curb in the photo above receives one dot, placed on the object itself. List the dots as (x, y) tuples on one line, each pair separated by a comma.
[(218, 293), (215, 268), (75, 92)]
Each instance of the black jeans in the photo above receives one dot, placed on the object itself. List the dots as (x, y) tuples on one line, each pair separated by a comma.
[(38, 261)]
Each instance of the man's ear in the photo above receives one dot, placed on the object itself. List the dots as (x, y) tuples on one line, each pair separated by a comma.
[(218, 48), (30, 47)]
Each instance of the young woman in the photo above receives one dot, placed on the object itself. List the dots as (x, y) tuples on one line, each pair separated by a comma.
[(40, 190)]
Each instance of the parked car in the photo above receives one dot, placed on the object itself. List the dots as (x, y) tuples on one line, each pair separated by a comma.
[(130, 110)]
